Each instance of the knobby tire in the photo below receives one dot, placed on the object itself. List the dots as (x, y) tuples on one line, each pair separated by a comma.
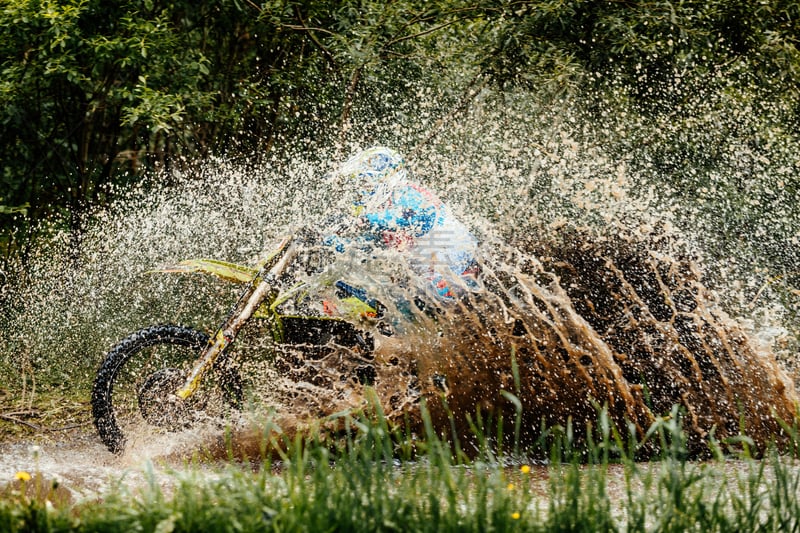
[(104, 412)]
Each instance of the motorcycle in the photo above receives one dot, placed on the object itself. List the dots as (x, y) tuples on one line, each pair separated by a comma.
[(171, 376)]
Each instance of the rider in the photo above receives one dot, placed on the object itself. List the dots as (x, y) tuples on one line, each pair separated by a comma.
[(393, 212)]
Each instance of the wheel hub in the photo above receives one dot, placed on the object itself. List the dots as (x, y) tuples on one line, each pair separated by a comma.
[(158, 403)]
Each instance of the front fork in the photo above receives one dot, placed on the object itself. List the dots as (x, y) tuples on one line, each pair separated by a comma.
[(260, 290)]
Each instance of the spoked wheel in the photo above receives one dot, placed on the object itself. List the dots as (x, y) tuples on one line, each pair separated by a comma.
[(135, 386)]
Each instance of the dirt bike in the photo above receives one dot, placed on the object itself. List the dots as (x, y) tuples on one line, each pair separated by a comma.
[(171, 376)]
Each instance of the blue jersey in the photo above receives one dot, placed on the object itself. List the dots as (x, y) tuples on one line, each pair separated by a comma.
[(395, 213)]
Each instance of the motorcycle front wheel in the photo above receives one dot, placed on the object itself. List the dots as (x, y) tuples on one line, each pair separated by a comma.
[(134, 389)]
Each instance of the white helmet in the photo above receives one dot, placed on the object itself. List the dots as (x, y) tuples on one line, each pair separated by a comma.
[(373, 166)]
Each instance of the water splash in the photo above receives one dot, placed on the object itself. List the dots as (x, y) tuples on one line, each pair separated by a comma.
[(566, 325), (591, 270)]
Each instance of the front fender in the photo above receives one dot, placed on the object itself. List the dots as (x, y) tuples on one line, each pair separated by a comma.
[(221, 269)]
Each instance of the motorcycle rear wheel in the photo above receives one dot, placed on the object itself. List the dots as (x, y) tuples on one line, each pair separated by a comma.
[(134, 387)]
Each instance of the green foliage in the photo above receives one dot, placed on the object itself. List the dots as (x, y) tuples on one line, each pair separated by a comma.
[(643, 44), (369, 484), (94, 93), (8, 210)]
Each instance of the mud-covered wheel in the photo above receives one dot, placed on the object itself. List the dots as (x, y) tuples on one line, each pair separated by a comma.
[(135, 385)]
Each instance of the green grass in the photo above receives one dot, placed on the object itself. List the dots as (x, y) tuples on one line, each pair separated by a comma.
[(377, 480)]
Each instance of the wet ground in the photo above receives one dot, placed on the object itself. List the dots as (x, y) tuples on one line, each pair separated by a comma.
[(82, 470), (62, 450), (61, 446), (80, 465)]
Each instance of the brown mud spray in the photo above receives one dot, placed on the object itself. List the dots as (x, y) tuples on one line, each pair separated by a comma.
[(584, 322)]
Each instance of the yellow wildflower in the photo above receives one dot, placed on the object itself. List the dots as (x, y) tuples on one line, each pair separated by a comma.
[(525, 469), (515, 516), (510, 486), (22, 476)]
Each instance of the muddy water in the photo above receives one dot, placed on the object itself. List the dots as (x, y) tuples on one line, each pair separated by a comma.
[(79, 465), (584, 300), (76, 466), (567, 326)]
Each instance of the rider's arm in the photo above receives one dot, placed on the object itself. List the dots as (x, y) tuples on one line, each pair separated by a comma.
[(409, 213), (340, 243)]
